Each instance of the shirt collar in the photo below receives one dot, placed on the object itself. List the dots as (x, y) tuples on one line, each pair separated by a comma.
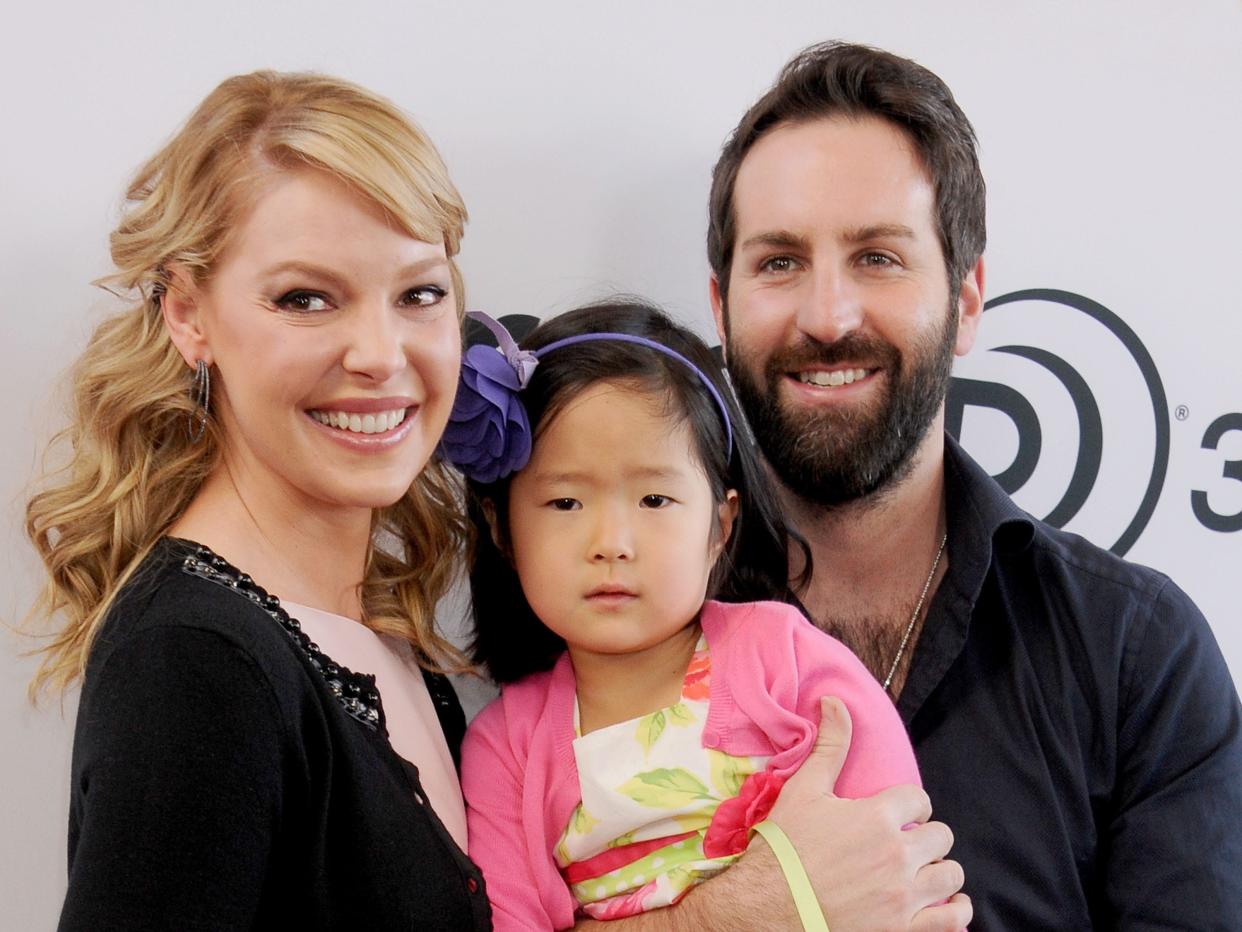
[(978, 506), (981, 520)]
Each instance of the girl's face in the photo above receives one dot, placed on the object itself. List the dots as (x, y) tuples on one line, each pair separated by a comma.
[(335, 344), (612, 523)]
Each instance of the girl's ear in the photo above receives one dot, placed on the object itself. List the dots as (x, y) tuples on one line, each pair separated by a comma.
[(726, 514), (493, 525), (181, 307)]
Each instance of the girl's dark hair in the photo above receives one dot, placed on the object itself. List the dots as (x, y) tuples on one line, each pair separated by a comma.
[(509, 638)]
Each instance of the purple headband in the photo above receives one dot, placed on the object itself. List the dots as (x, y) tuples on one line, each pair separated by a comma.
[(488, 434)]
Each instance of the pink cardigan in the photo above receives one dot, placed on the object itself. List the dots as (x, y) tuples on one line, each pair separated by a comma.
[(770, 666)]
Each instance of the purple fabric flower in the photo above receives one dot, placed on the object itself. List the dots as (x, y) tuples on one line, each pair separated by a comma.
[(488, 434)]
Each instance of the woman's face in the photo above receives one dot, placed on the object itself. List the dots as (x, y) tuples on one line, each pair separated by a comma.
[(335, 344)]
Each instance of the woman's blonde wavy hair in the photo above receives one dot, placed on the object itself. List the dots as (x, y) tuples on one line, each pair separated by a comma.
[(132, 468)]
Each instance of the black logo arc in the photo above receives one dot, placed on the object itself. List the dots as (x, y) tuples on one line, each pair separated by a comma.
[(1011, 403)]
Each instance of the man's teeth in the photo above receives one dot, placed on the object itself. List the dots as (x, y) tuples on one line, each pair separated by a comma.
[(833, 378), (375, 423)]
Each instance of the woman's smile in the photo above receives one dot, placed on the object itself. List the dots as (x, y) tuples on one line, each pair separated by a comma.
[(366, 424), (367, 433)]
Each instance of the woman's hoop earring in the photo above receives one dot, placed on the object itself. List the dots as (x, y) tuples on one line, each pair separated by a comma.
[(200, 391)]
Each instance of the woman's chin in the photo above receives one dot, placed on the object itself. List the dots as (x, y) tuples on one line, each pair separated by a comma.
[(357, 491), (377, 498)]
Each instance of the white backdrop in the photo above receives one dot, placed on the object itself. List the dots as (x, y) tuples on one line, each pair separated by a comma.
[(582, 136)]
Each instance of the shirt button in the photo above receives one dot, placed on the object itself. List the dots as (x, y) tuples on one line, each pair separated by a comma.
[(472, 885)]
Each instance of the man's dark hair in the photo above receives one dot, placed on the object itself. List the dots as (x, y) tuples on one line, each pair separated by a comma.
[(839, 79), (754, 565)]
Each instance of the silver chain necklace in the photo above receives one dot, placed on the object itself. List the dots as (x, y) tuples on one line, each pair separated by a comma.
[(905, 638)]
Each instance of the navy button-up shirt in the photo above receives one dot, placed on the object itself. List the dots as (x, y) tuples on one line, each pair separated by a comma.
[(1076, 727)]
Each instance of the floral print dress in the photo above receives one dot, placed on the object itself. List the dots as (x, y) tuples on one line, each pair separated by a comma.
[(659, 812)]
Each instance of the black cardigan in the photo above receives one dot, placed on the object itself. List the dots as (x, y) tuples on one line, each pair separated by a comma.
[(228, 775)]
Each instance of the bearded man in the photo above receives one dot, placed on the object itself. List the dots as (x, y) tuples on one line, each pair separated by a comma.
[(1074, 720)]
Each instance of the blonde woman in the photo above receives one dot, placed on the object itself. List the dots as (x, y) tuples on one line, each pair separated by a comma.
[(249, 514)]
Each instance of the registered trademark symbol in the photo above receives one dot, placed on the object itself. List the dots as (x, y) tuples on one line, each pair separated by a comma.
[(1181, 412)]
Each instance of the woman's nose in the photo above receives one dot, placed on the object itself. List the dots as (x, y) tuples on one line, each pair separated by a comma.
[(373, 342)]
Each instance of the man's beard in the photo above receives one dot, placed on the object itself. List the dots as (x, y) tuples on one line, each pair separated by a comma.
[(834, 456)]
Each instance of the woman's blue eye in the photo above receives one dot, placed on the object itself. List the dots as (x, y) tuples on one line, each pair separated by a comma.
[(424, 296), (655, 501), (303, 302)]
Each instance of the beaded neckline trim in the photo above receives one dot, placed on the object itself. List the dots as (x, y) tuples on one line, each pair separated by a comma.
[(356, 692)]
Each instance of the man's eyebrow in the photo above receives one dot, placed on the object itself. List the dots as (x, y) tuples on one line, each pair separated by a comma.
[(779, 239), (879, 231), (785, 239)]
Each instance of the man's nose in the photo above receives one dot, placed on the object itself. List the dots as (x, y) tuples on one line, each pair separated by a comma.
[(830, 306)]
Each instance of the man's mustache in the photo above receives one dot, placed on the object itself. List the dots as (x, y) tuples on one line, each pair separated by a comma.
[(866, 352)]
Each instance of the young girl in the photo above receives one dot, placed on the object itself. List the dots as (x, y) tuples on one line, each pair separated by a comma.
[(642, 732)]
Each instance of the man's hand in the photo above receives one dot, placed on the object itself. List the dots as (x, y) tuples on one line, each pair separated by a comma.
[(867, 871)]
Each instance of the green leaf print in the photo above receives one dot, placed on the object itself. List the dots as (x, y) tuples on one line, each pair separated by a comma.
[(583, 821), (680, 715), (728, 773), (649, 730), (664, 788)]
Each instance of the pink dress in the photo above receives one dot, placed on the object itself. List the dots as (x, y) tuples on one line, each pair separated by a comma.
[(769, 668), (659, 812)]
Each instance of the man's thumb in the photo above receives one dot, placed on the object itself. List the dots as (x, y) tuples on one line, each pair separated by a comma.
[(832, 743)]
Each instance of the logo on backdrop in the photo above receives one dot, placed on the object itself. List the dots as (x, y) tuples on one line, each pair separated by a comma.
[(1061, 402)]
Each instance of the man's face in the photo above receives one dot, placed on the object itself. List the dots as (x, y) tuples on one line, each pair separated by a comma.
[(839, 329)]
